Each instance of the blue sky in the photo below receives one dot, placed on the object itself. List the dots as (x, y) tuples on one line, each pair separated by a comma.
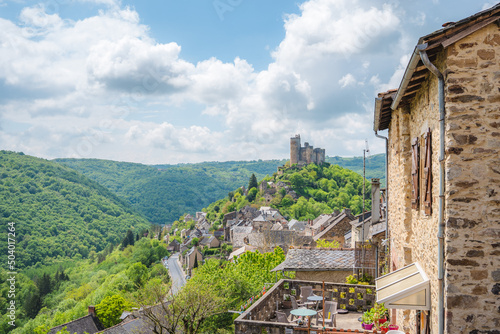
[(206, 80)]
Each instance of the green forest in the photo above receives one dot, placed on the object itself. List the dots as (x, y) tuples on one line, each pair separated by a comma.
[(57, 212), (319, 189), (59, 293), (162, 193), (79, 237)]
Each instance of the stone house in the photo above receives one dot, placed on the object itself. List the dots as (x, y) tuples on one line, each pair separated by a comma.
[(337, 229), (190, 259), (174, 246), (210, 241), (443, 150), (89, 324), (316, 264)]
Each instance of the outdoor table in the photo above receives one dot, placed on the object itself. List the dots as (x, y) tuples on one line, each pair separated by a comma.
[(304, 312), (316, 299)]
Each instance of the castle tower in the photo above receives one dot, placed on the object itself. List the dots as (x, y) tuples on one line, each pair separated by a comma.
[(294, 150)]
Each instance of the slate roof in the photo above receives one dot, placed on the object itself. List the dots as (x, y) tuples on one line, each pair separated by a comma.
[(317, 260), (337, 220), (320, 221), (132, 326), (84, 324), (296, 225)]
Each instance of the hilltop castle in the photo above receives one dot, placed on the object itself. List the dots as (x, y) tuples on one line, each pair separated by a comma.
[(305, 155)]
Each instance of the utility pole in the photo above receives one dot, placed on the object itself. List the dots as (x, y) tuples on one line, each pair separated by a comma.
[(363, 216)]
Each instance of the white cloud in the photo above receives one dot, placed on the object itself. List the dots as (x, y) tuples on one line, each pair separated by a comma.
[(347, 80), (103, 87)]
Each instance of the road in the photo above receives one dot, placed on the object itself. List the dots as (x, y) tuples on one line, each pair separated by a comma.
[(175, 272)]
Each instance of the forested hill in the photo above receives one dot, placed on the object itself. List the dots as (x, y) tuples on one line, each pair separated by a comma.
[(162, 193), (58, 213), (299, 193)]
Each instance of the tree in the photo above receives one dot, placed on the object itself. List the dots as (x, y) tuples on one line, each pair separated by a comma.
[(253, 182), (252, 193), (184, 312), (129, 239), (110, 309), (138, 273), (44, 285)]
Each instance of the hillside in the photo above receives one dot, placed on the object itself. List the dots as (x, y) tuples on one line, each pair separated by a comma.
[(162, 193), (300, 193), (375, 166), (58, 213)]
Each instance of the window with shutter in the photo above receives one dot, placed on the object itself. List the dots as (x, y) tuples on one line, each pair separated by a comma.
[(415, 166), (427, 177)]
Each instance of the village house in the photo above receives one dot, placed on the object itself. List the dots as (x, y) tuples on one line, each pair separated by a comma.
[(316, 264), (210, 241), (192, 257), (443, 150), (337, 228), (88, 324)]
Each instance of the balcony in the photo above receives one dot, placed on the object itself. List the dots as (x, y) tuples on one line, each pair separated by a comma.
[(260, 317)]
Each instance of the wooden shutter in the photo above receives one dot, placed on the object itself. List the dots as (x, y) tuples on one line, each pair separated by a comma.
[(427, 179), (415, 166)]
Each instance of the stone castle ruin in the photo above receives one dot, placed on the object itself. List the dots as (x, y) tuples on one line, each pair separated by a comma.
[(305, 155)]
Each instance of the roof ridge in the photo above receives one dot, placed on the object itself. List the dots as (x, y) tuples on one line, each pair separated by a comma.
[(69, 322)]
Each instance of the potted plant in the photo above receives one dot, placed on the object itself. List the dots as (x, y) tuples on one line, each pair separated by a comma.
[(380, 314), (367, 320), (393, 327), (287, 302), (384, 327)]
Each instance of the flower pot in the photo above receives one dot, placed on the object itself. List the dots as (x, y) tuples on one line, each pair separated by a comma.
[(393, 327), (367, 326), (287, 304), (384, 330), (381, 321)]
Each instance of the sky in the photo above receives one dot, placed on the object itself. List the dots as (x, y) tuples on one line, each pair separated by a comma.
[(166, 82)]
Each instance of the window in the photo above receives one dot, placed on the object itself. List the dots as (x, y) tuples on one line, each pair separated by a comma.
[(415, 168), (427, 175)]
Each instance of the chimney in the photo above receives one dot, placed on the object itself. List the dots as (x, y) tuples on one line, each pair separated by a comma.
[(375, 201), (92, 311)]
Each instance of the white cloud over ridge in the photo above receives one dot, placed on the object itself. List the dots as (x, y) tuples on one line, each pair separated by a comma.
[(87, 88)]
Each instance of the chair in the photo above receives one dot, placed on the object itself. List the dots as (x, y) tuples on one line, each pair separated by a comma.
[(330, 313), (306, 291), (282, 318), (295, 305)]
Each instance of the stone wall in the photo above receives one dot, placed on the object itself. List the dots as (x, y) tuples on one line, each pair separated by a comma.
[(473, 183), (472, 202), (337, 276)]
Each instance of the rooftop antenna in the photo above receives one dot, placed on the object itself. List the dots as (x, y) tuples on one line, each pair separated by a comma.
[(365, 150)]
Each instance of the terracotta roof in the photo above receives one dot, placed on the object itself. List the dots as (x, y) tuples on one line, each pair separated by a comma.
[(317, 259), (416, 72)]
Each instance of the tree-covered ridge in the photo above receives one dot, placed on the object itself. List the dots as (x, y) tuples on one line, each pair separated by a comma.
[(49, 296), (58, 213), (300, 193), (374, 166), (162, 193)]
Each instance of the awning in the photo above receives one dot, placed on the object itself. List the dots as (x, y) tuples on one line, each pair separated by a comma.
[(406, 288)]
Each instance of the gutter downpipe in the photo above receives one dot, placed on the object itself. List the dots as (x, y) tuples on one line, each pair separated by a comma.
[(387, 248), (439, 75)]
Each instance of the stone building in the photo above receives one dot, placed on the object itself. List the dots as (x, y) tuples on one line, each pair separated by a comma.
[(305, 155), (443, 151), (317, 264)]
